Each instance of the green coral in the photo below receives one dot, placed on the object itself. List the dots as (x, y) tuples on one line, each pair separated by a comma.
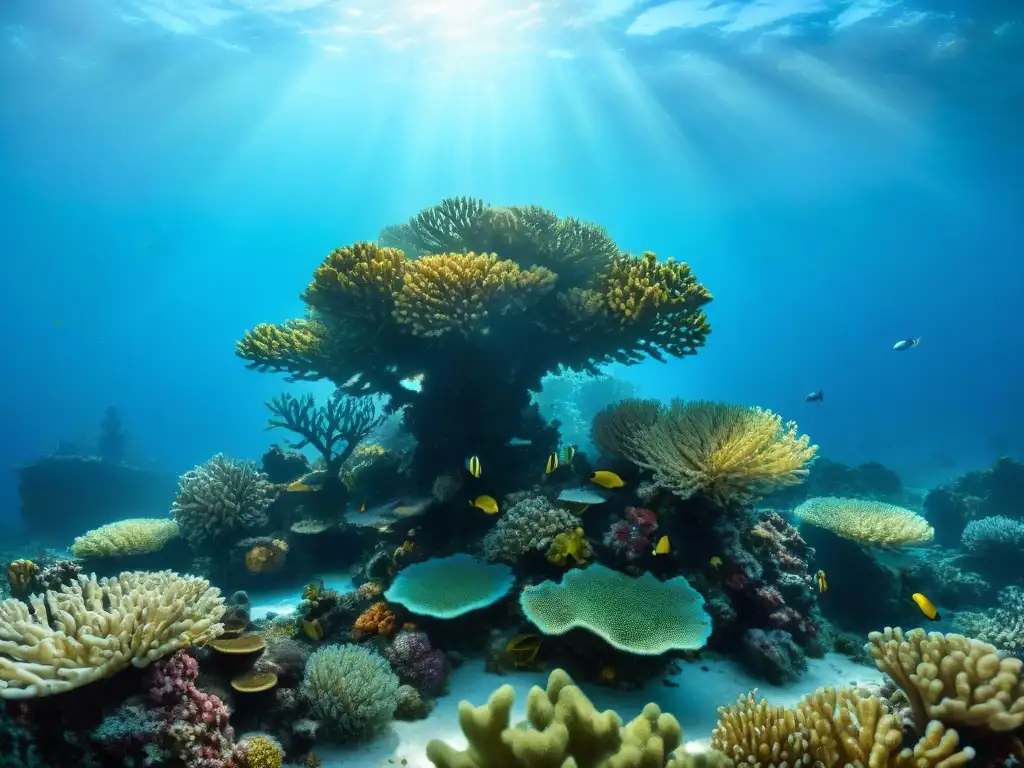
[(351, 690), (605, 602)]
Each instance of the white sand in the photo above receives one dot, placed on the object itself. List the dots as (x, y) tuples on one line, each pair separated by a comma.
[(285, 600)]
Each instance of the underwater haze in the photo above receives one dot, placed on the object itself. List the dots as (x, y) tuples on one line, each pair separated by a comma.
[(841, 176)]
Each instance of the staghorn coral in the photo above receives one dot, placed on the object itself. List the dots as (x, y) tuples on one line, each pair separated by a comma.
[(296, 347), (866, 522), (529, 524), (1002, 627), (465, 292), (334, 429), (219, 499), (126, 537), (994, 536), (91, 629), (352, 691)]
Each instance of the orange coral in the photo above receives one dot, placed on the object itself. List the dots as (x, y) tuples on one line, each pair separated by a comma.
[(375, 620)]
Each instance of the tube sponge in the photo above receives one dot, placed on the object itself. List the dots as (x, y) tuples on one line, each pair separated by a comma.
[(91, 629), (352, 691), (136, 536), (642, 616), (446, 587), (565, 730)]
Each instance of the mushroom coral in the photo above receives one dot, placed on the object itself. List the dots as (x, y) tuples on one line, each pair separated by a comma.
[(482, 301)]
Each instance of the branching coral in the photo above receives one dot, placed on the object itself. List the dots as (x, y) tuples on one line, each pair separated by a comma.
[(730, 453), (126, 537), (994, 536), (529, 524), (334, 429), (866, 522), (91, 629), (1003, 626), (352, 691), (221, 498)]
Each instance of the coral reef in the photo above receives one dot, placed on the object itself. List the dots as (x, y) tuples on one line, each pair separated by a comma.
[(1002, 626), (352, 691), (866, 522), (825, 477), (528, 524), (446, 587), (417, 663), (574, 399), (991, 492), (994, 536), (135, 536), (630, 538)]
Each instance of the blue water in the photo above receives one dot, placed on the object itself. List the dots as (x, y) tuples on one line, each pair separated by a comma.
[(840, 175)]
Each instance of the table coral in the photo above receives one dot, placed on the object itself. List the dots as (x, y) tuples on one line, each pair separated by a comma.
[(447, 587), (866, 522), (135, 536)]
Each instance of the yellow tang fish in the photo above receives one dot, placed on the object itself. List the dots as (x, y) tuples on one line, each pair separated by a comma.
[(927, 606), (606, 479), (486, 503), (822, 582), (473, 466), (552, 463), (663, 547)]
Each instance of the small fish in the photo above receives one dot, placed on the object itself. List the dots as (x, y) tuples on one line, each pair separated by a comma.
[(606, 479), (822, 582), (362, 507), (568, 454), (816, 397), (552, 464), (663, 547), (518, 442), (716, 562), (473, 466), (301, 487), (412, 533), (608, 674), (313, 481), (927, 606), (899, 346), (486, 503), (313, 629)]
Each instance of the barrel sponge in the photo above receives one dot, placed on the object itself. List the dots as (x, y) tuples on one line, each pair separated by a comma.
[(958, 681), (446, 587), (865, 521), (136, 536), (93, 628), (352, 691), (563, 729), (642, 616)]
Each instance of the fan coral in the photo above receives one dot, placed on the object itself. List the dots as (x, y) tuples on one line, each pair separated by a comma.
[(219, 498), (126, 537), (995, 535), (352, 691), (866, 522), (417, 663), (446, 587), (529, 524), (604, 602), (730, 453), (99, 627)]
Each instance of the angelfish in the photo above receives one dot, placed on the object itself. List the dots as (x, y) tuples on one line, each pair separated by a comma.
[(899, 346)]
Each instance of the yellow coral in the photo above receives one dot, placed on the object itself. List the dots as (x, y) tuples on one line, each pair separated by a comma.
[(569, 544), (865, 521), (621, 428), (465, 292), (358, 283), (136, 536), (294, 346), (263, 753)]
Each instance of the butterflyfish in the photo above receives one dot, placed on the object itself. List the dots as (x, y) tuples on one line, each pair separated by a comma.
[(822, 582), (606, 479), (473, 466), (552, 464), (663, 547), (486, 503), (927, 606), (568, 454)]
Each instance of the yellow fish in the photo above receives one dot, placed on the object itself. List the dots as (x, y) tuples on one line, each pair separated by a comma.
[(300, 486), (606, 479), (663, 547), (314, 629), (568, 454), (822, 582), (486, 503), (473, 466), (362, 507), (552, 464), (927, 606), (523, 649)]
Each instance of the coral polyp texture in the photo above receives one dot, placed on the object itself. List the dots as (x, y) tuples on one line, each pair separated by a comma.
[(865, 521), (528, 524), (93, 628), (563, 728), (126, 537), (730, 453), (446, 587), (605, 602), (468, 283)]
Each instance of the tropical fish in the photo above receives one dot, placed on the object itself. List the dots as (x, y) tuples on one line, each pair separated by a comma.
[(568, 453), (716, 562), (486, 503), (816, 397), (822, 582), (606, 479), (899, 346), (362, 507), (663, 547), (473, 466), (608, 673), (312, 481), (523, 649), (927, 606), (552, 463), (314, 630), (518, 442)]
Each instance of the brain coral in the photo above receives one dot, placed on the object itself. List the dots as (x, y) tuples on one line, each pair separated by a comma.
[(352, 691), (221, 497), (642, 616), (126, 537), (446, 587), (865, 521)]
